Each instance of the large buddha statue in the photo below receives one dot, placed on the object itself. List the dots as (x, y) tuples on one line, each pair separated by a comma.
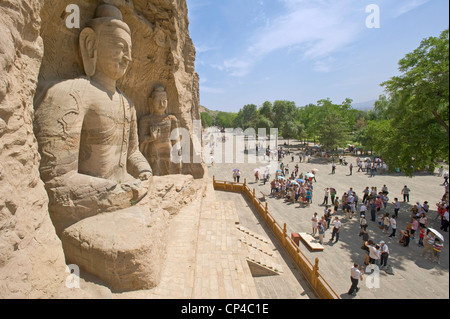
[(87, 131), (94, 173), (155, 132)]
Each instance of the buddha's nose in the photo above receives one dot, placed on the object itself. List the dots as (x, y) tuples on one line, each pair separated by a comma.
[(127, 58)]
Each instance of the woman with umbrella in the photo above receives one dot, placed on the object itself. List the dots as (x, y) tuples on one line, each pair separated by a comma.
[(235, 174), (311, 176)]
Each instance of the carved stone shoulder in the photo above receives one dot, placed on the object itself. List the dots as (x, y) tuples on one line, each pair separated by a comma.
[(62, 100)]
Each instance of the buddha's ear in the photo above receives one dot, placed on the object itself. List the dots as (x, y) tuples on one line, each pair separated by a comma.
[(88, 49)]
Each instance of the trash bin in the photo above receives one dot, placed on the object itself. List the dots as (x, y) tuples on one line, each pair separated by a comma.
[(296, 238)]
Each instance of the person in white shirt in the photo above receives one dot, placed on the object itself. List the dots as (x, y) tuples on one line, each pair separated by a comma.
[(362, 210), (384, 252), (396, 206), (355, 276), (336, 229), (374, 253), (393, 221)]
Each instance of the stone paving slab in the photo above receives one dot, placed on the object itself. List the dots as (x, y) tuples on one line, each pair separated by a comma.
[(414, 277)]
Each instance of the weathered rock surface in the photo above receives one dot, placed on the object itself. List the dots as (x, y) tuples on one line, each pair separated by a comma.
[(36, 48), (125, 249), (31, 257)]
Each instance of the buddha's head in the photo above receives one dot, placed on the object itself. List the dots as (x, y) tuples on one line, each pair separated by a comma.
[(158, 101), (105, 43)]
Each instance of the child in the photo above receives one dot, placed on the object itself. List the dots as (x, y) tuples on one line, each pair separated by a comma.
[(422, 236), (437, 250)]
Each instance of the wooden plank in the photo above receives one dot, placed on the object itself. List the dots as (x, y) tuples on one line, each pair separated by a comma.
[(311, 242)]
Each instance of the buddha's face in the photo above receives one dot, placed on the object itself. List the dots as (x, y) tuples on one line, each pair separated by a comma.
[(160, 103), (113, 52)]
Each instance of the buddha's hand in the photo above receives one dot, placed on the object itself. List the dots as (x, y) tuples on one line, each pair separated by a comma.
[(145, 176)]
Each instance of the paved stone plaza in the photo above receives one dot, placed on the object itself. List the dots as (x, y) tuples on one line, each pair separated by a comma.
[(414, 276)]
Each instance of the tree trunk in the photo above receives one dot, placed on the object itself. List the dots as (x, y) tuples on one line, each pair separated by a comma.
[(440, 120)]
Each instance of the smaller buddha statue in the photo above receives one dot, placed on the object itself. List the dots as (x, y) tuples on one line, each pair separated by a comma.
[(158, 134)]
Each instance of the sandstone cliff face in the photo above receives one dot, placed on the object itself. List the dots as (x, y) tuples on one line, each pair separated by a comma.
[(36, 48), (162, 52), (31, 257)]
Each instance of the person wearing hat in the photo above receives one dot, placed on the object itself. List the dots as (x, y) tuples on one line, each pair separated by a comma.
[(384, 252), (363, 222)]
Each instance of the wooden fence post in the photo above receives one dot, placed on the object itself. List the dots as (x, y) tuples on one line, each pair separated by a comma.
[(316, 274)]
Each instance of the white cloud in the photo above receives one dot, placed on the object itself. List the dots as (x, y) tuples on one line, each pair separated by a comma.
[(311, 29), (211, 90), (408, 5)]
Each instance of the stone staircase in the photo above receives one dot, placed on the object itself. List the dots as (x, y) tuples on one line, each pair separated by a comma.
[(261, 257)]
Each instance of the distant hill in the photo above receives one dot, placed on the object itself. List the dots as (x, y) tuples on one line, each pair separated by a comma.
[(364, 106), (210, 112)]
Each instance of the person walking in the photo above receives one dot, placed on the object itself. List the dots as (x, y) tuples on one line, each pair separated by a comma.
[(351, 169), (333, 168), (325, 196), (337, 225), (355, 276)]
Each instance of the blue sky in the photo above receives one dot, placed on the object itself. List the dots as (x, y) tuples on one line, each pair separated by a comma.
[(251, 51)]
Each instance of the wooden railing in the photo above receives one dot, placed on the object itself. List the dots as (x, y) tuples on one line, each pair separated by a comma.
[(310, 272)]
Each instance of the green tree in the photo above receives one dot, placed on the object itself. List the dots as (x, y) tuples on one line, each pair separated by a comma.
[(247, 117), (207, 120), (333, 131), (266, 110), (225, 119), (411, 131), (424, 85)]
